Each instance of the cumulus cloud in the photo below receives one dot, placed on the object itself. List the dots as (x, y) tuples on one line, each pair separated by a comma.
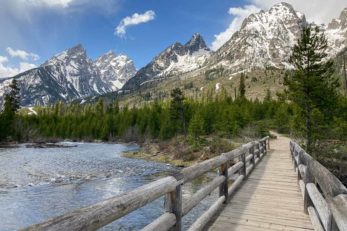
[(50, 3), (239, 14), (21, 54), (3, 59), (133, 20), (6, 70), (9, 71), (24, 66), (318, 11)]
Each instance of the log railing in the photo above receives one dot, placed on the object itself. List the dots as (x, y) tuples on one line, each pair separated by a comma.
[(236, 164), (325, 197)]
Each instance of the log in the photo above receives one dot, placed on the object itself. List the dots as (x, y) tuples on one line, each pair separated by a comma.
[(235, 185), (236, 167), (320, 205), (201, 222), (201, 194), (249, 169), (233, 154), (328, 182), (302, 170), (163, 223), (256, 160), (100, 214), (339, 210), (199, 169), (249, 157), (314, 219)]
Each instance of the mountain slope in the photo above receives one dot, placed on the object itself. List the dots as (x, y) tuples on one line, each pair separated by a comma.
[(110, 66), (71, 75), (264, 40), (336, 33), (173, 60)]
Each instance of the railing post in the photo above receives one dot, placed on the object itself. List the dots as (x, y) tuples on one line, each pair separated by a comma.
[(223, 188), (251, 151), (261, 145), (173, 204), (298, 164), (268, 143), (243, 159), (264, 145)]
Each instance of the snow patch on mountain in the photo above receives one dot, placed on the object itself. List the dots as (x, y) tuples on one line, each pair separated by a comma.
[(115, 70), (264, 40)]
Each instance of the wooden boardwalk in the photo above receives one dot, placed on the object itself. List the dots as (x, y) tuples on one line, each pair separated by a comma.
[(266, 194), (270, 199)]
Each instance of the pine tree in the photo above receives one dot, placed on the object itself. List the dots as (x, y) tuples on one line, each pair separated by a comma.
[(196, 129), (11, 106), (177, 110), (312, 85), (242, 86)]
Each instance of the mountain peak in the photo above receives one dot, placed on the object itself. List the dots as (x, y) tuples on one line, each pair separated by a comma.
[(264, 39), (196, 43), (281, 6), (78, 49)]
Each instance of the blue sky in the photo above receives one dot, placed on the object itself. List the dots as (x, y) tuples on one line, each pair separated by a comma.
[(35, 30)]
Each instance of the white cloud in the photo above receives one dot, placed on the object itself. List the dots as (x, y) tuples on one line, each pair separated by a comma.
[(133, 20), (3, 59), (239, 14), (318, 11), (23, 55), (24, 66), (50, 3), (8, 71)]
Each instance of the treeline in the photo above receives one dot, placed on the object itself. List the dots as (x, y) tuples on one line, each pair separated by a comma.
[(160, 120)]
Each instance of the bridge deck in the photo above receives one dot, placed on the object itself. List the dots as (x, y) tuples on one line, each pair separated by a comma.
[(270, 199)]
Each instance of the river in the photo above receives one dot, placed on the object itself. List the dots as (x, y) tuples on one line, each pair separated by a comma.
[(38, 183)]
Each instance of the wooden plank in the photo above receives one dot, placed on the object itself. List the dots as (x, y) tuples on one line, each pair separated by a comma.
[(163, 223)]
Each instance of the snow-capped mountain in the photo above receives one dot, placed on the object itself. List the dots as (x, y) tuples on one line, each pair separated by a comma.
[(111, 65), (336, 33), (71, 75), (173, 60), (264, 40)]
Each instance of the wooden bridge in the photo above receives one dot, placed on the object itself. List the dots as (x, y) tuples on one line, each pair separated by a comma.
[(259, 189)]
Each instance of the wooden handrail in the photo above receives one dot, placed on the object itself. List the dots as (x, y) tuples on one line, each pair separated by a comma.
[(325, 197), (237, 162)]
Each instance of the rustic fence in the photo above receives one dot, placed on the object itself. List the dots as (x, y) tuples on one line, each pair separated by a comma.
[(236, 164), (325, 197)]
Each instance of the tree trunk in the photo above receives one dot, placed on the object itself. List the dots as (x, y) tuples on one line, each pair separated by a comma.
[(344, 70), (308, 128)]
